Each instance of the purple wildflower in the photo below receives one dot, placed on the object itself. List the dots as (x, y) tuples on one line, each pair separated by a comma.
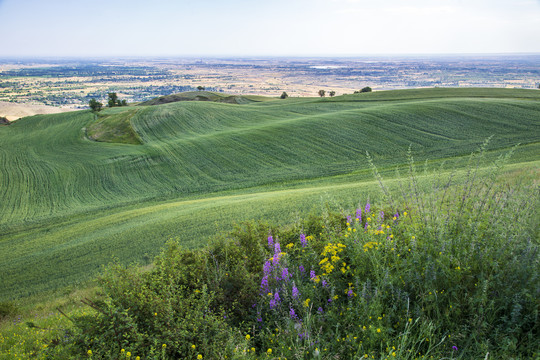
[(368, 207), (324, 283), (259, 319), (264, 285), (350, 293), (303, 240), (272, 303), (349, 218), (285, 274), (270, 241), (301, 268), (454, 348), (320, 310), (276, 297), (275, 259), (359, 214), (312, 275), (330, 300), (277, 248), (381, 215), (292, 314), (267, 267), (396, 215), (295, 292)]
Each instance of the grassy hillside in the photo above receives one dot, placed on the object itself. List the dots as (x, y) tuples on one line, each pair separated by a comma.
[(206, 96), (69, 204)]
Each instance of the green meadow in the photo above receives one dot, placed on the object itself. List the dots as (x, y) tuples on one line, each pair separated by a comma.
[(80, 190)]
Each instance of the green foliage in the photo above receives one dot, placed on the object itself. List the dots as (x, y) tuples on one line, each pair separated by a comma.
[(95, 105), (114, 128), (7, 309), (365, 89), (284, 95), (322, 93), (69, 204), (332, 93), (114, 101)]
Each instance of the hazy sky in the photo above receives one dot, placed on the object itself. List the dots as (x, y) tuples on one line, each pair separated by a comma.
[(266, 27)]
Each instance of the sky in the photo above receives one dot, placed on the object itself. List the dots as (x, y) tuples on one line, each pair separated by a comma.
[(98, 28)]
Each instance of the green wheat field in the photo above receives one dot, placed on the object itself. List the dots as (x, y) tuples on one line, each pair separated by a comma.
[(189, 169)]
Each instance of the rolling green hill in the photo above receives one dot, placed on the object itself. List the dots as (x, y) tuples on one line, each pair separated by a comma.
[(70, 203), (206, 96)]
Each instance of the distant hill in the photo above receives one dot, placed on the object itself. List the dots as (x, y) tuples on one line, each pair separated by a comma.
[(14, 111), (206, 96)]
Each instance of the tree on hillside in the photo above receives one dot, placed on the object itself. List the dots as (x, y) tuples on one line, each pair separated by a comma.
[(95, 105), (322, 93), (112, 99), (200, 88), (366, 89), (332, 93), (284, 95)]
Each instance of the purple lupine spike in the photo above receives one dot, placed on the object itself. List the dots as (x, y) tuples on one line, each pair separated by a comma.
[(285, 274), (276, 297), (275, 259), (277, 248), (303, 240), (295, 292), (365, 226), (292, 314), (312, 275), (368, 207), (272, 303), (350, 293), (381, 215), (270, 242), (324, 283), (349, 218), (264, 285), (267, 267), (396, 215), (359, 214)]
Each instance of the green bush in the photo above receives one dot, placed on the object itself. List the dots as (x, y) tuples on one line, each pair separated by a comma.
[(7, 309)]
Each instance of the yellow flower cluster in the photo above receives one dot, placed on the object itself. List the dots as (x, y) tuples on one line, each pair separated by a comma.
[(330, 253), (371, 245)]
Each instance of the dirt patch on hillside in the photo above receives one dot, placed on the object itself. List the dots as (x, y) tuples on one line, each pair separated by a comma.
[(14, 111)]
